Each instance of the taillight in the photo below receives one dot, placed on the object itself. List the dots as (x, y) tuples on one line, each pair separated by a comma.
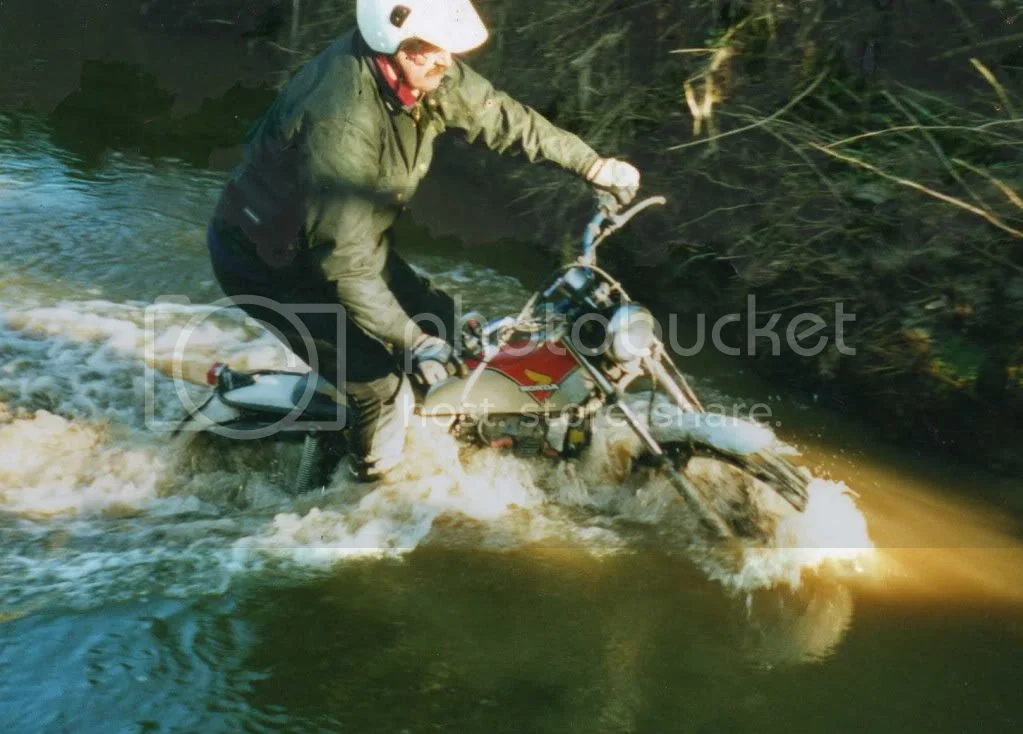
[(213, 373)]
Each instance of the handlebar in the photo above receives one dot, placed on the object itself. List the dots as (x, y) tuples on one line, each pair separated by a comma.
[(608, 208), (606, 222)]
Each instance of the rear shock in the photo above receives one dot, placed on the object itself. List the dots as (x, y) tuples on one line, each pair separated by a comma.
[(309, 465)]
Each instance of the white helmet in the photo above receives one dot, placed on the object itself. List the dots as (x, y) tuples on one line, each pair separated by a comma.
[(453, 25)]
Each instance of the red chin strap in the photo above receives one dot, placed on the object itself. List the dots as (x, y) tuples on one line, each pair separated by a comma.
[(392, 75)]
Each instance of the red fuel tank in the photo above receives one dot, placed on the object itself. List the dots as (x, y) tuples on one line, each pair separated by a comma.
[(523, 377)]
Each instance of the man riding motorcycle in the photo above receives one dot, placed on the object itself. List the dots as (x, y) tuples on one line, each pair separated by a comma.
[(307, 217)]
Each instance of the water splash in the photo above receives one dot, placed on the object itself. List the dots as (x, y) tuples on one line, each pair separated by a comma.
[(51, 466), (77, 443), (484, 500), (829, 538)]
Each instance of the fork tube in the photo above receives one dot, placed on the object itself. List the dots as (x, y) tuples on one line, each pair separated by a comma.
[(611, 392), (663, 377), (635, 424)]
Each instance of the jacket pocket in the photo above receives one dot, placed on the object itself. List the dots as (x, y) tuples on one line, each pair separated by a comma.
[(267, 202)]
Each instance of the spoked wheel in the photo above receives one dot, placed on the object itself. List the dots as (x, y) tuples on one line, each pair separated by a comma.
[(726, 491)]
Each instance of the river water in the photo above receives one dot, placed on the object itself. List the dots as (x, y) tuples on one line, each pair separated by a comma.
[(147, 586)]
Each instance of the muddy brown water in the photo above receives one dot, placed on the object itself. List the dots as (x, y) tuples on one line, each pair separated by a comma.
[(146, 592)]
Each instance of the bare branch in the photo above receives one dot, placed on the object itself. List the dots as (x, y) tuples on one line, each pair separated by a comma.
[(792, 103), (923, 189), (928, 128), (1009, 192)]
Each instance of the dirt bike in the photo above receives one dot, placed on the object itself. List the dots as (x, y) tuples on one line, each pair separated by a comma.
[(533, 383)]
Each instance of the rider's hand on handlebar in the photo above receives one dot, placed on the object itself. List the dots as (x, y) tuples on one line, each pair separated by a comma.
[(616, 176), (431, 357)]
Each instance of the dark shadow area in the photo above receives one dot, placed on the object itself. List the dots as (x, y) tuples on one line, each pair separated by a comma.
[(120, 106)]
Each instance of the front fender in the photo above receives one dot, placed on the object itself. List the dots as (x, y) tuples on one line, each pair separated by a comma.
[(724, 433)]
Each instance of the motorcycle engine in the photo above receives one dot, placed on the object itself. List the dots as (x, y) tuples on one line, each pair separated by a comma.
[(530, 436)]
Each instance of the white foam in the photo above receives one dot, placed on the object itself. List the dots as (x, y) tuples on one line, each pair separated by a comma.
[(398, 516), (829, 537), (136, 364), (49, 465)]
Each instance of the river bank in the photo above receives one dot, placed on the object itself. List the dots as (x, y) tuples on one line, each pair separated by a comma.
[(819, 154)]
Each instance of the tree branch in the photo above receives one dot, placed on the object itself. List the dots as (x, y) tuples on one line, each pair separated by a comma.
[(923, 189), (792, 103)]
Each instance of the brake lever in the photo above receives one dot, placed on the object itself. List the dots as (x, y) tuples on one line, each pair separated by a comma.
[(620, 219), (607, 203)]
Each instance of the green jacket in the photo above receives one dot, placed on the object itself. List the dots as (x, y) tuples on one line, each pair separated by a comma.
[(335, 160)]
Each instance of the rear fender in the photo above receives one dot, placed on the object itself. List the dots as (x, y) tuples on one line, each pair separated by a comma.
[(209, 415), (272, 403)]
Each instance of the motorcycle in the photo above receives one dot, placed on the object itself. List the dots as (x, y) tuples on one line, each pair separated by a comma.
[(534, 383)]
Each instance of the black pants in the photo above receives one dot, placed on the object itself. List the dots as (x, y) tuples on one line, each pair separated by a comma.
[(366, 370)]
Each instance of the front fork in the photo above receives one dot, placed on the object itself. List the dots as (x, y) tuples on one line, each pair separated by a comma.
[(683, 396)]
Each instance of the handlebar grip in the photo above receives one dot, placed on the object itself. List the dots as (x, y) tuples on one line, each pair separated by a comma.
[(613, 200)]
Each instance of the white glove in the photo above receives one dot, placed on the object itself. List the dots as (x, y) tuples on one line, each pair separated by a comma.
[(618, 177), (431, 357)]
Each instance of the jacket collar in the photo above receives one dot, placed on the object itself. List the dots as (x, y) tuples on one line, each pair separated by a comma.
[(397, 95), (389, 76)]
